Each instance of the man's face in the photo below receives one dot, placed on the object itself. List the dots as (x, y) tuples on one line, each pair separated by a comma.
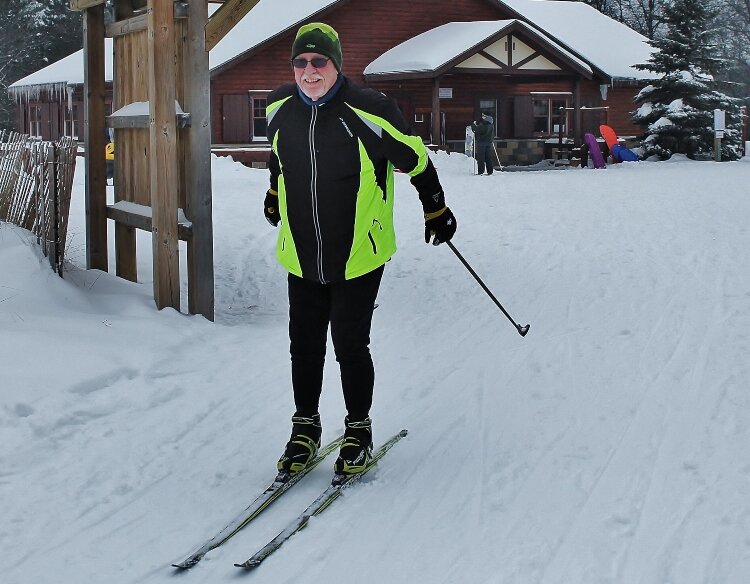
[(315, 81)]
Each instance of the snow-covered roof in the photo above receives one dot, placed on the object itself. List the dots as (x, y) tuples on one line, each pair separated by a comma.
[(57, 76), (431, 50), (599, 40), (265, 21), (610, 46)]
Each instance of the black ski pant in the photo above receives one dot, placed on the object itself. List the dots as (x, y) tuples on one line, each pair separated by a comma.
[(484, 157), (348, 307)]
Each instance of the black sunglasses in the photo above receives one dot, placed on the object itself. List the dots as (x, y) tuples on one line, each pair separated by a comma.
[(317, 62)]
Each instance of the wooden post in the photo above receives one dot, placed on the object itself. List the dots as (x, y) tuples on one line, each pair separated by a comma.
[(198, 171), (163, 155), (577, 134), (96, 174), (436, 111), (53, 216), (126, 258)]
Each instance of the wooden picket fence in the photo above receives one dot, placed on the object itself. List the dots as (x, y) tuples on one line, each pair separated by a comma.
[(36, 180)]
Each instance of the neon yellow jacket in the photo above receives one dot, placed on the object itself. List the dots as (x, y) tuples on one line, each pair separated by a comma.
[(332, 166)]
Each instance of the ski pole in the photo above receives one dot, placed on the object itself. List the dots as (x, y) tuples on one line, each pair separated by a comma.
[(500, 164), (522, 330)]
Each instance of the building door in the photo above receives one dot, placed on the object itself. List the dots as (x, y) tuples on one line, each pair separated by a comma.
[(54, 121), (490, 108), (235, 119), (46, 132), (23, 120), (523, 117)]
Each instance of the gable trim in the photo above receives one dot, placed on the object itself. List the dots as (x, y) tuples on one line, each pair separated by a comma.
[(536, 42), (517, 15), (489, 57)]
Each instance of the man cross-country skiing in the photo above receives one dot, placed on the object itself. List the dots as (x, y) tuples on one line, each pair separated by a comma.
[(334, 148)]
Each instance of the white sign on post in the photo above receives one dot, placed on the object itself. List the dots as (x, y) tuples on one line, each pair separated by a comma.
[(719, 120), (719, 126)]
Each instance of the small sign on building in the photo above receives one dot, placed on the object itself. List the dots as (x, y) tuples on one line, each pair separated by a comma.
[(445, 93)]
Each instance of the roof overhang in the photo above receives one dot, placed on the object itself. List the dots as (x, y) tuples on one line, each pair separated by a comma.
[(610, 47), (244, 41), (67, 72), (479, 55), (221, 62)]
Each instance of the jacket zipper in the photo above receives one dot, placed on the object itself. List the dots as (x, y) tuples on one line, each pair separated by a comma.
[(372, 239), (314, 193), (372, 242)]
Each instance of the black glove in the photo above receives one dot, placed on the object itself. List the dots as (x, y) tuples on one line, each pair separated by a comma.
[(271, 208), (441, 224)]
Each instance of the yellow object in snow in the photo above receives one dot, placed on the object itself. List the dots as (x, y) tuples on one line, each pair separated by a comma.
[(110, 151)]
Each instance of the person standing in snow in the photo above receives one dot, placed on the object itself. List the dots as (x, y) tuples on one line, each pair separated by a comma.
[(334, 148), (484, 133)]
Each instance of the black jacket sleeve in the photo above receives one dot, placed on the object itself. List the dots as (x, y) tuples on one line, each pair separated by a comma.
[(409, 154), (430, 191), (275, 169)]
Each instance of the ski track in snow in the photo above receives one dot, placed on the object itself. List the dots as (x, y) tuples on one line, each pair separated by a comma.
[(607, 446)]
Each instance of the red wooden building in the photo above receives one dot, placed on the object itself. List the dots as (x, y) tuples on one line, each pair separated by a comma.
[(537, 66)]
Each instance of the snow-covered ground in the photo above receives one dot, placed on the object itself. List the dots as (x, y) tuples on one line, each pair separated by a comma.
[(610, 445)]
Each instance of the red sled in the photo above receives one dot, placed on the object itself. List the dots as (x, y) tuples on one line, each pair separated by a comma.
[(610, 137)]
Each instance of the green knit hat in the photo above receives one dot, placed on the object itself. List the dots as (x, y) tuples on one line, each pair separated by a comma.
[(317, 37)]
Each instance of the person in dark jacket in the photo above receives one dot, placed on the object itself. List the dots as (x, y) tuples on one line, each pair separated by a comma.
[(484, 133), (334, 149)]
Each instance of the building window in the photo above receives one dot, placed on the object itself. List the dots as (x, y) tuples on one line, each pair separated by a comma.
[(259, 121), (35, 121), (70, 128), (489, 107), (548, 115)]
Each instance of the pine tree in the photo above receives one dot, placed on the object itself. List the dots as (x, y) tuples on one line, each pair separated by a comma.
[(677, 109), (735, 25), (33, 34)]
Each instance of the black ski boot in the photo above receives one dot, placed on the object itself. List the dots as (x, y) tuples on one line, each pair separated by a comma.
[(302, 446), (356, 450)]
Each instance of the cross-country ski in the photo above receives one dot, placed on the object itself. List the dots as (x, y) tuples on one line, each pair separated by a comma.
[(279, 486), (319, 505)]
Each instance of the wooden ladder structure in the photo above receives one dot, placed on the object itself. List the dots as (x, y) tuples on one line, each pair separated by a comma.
[(162, 177)]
